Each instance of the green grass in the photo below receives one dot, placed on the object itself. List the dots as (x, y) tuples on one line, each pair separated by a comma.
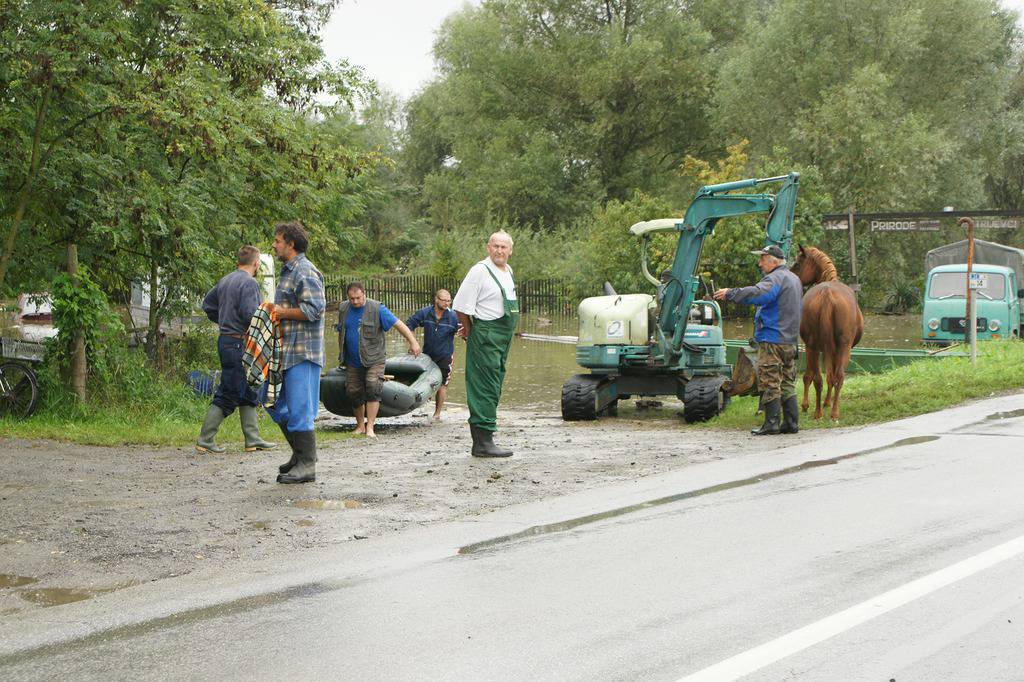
[(115, 426), (924, 386)]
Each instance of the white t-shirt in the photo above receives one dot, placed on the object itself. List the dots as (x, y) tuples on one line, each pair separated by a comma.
[(479, 296)]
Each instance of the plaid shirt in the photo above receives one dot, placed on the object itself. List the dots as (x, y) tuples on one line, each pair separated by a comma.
[(262, 355), (301, 286)]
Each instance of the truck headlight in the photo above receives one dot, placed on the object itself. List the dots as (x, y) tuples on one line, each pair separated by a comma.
[(993, 325), (933, 323)]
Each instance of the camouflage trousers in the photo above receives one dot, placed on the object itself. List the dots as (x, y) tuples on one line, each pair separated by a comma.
[(776, 371)]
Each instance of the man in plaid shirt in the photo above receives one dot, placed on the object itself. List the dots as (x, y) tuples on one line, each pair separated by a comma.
[(299, 304)]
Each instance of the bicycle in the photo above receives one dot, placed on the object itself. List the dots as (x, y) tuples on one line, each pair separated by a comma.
[(19, 385), (19, 390)]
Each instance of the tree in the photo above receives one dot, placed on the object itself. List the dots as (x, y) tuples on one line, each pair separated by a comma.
[(1004, 145), (891, 101), (545, 106), (154, 136)]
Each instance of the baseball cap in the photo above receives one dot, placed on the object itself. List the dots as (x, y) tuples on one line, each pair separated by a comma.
[(771, 250)]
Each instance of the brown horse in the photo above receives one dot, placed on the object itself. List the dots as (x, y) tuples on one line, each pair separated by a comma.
[(831, 325)]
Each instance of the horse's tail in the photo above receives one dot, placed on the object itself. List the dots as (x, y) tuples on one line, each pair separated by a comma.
[(830, 303), (841, 316)]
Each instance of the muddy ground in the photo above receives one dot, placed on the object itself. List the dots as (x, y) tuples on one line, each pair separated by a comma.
[(77, 521)]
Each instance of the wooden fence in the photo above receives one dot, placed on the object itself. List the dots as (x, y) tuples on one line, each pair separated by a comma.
[(404, 294)]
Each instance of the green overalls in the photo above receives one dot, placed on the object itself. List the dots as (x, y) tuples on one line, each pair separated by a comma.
[(486, 353)]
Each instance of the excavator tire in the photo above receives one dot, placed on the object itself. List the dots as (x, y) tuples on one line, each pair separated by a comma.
[(579, 398), (703, 398)]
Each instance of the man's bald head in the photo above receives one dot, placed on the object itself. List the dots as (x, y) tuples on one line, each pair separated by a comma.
[(499, 248)]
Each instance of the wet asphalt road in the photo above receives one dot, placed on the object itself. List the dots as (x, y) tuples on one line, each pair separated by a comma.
[(718, 562)]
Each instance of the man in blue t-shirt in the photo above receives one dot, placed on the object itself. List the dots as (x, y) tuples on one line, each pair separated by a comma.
[(439, 324), (362, 323)]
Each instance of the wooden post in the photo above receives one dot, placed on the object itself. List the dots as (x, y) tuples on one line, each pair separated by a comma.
[(855, 283), (79, 366)]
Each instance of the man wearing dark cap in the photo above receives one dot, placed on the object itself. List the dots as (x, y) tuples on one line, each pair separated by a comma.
[(778, 297)]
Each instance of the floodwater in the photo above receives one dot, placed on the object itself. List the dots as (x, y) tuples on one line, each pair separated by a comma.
[(537, 369), (880, 331)]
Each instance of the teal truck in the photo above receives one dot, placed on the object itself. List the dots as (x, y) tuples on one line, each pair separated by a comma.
[(999, 311)]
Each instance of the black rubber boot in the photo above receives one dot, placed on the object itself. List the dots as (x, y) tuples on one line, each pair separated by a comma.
[(304, 470), (790, 416), (206, 442), (251, 430), (287, 466), (483, 444), (772, 410)]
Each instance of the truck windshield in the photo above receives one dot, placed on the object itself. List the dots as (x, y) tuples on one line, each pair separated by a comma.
[(954, 285)]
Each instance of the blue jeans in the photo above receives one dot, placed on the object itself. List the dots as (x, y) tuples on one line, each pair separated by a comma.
[(233, 389), (297, 406)]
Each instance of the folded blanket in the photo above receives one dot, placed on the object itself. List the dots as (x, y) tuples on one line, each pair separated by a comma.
[(262, 355)]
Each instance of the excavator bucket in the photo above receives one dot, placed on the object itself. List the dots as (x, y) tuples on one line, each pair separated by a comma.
[(744, 375)]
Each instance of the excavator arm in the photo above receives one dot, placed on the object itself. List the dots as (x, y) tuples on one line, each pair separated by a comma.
[(711, 204)]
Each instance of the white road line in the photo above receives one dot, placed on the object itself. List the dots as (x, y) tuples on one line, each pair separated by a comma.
[(809, 635)]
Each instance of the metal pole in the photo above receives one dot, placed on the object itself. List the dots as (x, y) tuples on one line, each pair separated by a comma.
[(971, 314), (855, 284), (974, 330)]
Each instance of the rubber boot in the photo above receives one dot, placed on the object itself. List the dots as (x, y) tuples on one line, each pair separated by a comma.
[(790, 416), (251, 430), (772, 410), (304, 470), (287, 466), (483, 444), (206, 442)]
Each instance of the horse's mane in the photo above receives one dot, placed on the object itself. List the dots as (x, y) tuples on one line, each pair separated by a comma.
[(826, 268)]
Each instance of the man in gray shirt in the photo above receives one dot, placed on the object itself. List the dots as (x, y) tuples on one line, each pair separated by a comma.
[(231, 304)]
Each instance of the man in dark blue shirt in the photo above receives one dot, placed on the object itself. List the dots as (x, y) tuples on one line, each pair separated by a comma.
[(439, 324), (231, 304)]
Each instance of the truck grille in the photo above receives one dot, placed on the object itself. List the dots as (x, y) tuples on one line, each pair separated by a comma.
[(958, 325)]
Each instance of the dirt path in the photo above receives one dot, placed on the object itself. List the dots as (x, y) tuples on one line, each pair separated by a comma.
[(77, 521)]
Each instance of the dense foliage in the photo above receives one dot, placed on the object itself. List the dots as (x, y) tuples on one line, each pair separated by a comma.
[(142, 141), (153, 137), (553, 113)]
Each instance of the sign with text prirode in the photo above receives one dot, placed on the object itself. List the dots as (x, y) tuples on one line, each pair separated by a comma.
[(915, 225), (924, 221)]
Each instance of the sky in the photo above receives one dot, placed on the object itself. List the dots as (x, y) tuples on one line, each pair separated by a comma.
[(392, 39)]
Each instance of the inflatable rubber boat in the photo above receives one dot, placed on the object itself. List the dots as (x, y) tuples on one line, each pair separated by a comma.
[(410, 382)]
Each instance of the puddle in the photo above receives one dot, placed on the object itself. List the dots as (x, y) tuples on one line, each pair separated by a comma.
[(106, 635), (8, 580), (986, 422), (327, 504), (258, 525), (1006, 415), (55, 596), (305, 522), (549, 528)]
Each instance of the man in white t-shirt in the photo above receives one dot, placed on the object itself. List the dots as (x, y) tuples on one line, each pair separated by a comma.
[(488, 310)]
